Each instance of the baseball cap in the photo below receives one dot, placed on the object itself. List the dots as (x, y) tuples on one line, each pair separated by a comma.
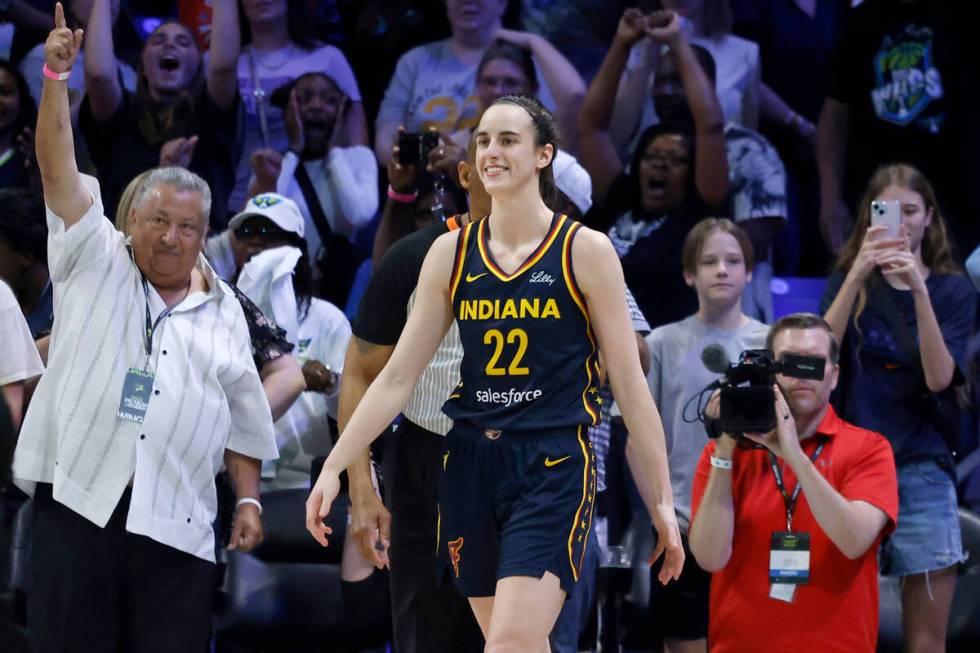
[(281, 210)]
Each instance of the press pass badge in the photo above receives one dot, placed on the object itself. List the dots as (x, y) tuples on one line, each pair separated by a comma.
[(789, 558), (135, 395)]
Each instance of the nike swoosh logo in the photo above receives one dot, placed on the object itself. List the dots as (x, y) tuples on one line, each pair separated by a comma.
[(548, 462), (474, 277)]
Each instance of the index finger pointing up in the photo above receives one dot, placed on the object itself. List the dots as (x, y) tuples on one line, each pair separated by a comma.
[(59, 16)]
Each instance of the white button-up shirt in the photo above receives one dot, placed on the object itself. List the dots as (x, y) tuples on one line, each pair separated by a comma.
[(207, 395)]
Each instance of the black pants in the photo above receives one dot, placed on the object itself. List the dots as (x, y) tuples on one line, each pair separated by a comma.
[(102, 589), (428, 617)]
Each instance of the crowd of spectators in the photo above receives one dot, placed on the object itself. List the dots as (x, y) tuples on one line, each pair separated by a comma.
[(719, 143)]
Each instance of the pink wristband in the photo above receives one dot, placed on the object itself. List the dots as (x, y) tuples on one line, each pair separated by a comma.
[(404, 198), (50, 74)]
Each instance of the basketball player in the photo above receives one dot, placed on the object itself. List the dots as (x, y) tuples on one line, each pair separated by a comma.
[(535, 296)]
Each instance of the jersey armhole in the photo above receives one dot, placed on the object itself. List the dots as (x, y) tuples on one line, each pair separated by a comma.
[(568, 269), (461, 243)]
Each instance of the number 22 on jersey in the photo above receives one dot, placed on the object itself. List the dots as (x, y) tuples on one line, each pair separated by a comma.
[(497, 339)]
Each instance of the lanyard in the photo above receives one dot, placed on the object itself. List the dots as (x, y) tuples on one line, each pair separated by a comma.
[(151, 326), (259, 98), (790, 500)]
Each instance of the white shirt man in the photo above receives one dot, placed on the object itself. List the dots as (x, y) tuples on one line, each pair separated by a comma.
[(150, 384), (206, 392)]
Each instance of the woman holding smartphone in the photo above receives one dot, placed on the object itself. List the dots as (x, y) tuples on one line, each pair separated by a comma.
[(903, 312), (535, 296)]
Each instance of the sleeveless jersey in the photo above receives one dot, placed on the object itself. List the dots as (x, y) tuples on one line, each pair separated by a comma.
[(529, 353)]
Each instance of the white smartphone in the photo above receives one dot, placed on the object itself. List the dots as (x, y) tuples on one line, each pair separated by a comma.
[(887, 213)]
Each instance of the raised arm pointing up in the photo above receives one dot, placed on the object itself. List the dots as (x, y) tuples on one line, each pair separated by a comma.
[(63, 189)]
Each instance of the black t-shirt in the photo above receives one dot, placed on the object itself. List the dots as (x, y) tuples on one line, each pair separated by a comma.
[(652, 264), (383, 311), (120, 152), (902, 68)]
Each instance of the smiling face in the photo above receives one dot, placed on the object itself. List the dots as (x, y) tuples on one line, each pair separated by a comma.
[(721, 274), (170, 60), (806, 397), (915, 216), (167, 230), (500, 77), (663, 174), (507, 157), (9, 100)]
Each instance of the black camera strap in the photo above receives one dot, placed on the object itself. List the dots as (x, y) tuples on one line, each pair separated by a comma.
[(790, 499)]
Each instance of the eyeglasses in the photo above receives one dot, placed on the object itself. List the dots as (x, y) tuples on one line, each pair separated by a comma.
[(671, 159), (247, 231)]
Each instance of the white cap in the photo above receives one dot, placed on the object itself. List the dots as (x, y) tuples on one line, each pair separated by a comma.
[(281, 210)]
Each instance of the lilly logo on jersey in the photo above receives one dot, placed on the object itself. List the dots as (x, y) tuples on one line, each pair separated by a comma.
[(542, 277), (508, 398)]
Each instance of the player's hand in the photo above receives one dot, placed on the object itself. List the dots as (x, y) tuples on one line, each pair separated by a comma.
[(62, 46), (246, 530), (668, 543), (318, 504), (370, 525)]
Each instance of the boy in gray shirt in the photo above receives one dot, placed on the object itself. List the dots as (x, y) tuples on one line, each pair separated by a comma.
[(717, 262)]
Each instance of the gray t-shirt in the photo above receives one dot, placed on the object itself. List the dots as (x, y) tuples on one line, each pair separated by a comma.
[(431, 87), (676, 375)]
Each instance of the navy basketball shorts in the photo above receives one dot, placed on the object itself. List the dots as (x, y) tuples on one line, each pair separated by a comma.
[(514, 503)]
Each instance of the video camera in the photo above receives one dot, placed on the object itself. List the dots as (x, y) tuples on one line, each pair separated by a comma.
[(747, 399)]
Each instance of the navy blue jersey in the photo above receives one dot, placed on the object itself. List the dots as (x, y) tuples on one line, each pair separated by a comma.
[(529, 353)]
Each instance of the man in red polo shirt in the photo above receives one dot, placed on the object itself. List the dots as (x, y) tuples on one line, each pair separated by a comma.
[(811, 584)]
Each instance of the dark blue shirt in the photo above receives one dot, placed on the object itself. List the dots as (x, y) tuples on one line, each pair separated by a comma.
[(529, 353), (884, 391)]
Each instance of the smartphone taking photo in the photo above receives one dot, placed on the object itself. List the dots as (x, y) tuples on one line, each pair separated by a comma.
[(887, 213)]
